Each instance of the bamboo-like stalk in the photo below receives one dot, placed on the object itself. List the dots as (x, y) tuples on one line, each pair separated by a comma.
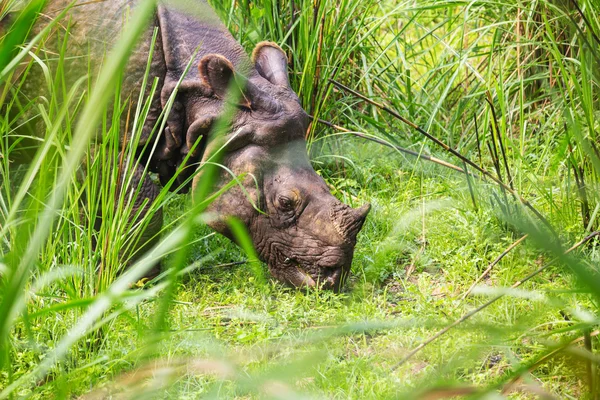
[(390, 145), (496, 135), (509, 386), (493, 264)]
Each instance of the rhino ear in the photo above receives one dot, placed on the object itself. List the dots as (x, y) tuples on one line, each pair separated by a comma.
[(271, 63), (218, 73)]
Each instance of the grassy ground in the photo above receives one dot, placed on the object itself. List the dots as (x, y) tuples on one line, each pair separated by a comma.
[(513, 87)]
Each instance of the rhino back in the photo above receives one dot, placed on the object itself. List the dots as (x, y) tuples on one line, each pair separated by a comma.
[(90, 31), (94, 29), (188, 30)]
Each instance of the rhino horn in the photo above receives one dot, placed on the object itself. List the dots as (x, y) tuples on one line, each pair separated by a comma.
[(348, 221)]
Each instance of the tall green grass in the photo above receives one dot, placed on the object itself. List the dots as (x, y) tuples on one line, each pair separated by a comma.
[(511, 86)]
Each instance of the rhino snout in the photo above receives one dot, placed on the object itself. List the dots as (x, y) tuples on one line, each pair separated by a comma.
[(333, 278), (328, 275)]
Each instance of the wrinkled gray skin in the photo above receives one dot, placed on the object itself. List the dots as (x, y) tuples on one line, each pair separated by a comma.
[(305, 235)]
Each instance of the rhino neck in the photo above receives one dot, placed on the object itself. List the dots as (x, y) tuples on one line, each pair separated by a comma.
[(186, 36), (196, 28)]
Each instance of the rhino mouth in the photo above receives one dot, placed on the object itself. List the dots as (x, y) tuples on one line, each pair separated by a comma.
[(294, 274)]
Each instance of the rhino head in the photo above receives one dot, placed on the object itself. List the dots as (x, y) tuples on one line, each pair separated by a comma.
[(304, 234)]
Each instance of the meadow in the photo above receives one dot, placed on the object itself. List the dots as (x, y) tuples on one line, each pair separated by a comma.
[(470, 126)]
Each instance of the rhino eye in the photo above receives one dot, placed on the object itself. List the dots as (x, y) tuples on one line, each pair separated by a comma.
[(285, 203)]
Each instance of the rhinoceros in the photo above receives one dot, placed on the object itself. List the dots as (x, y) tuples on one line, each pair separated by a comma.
[(301, 231)]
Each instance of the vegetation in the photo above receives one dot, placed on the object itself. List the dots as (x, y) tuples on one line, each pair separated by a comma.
[(510, 89)]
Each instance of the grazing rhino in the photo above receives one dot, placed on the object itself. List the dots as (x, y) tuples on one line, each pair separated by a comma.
[(304, 234)]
